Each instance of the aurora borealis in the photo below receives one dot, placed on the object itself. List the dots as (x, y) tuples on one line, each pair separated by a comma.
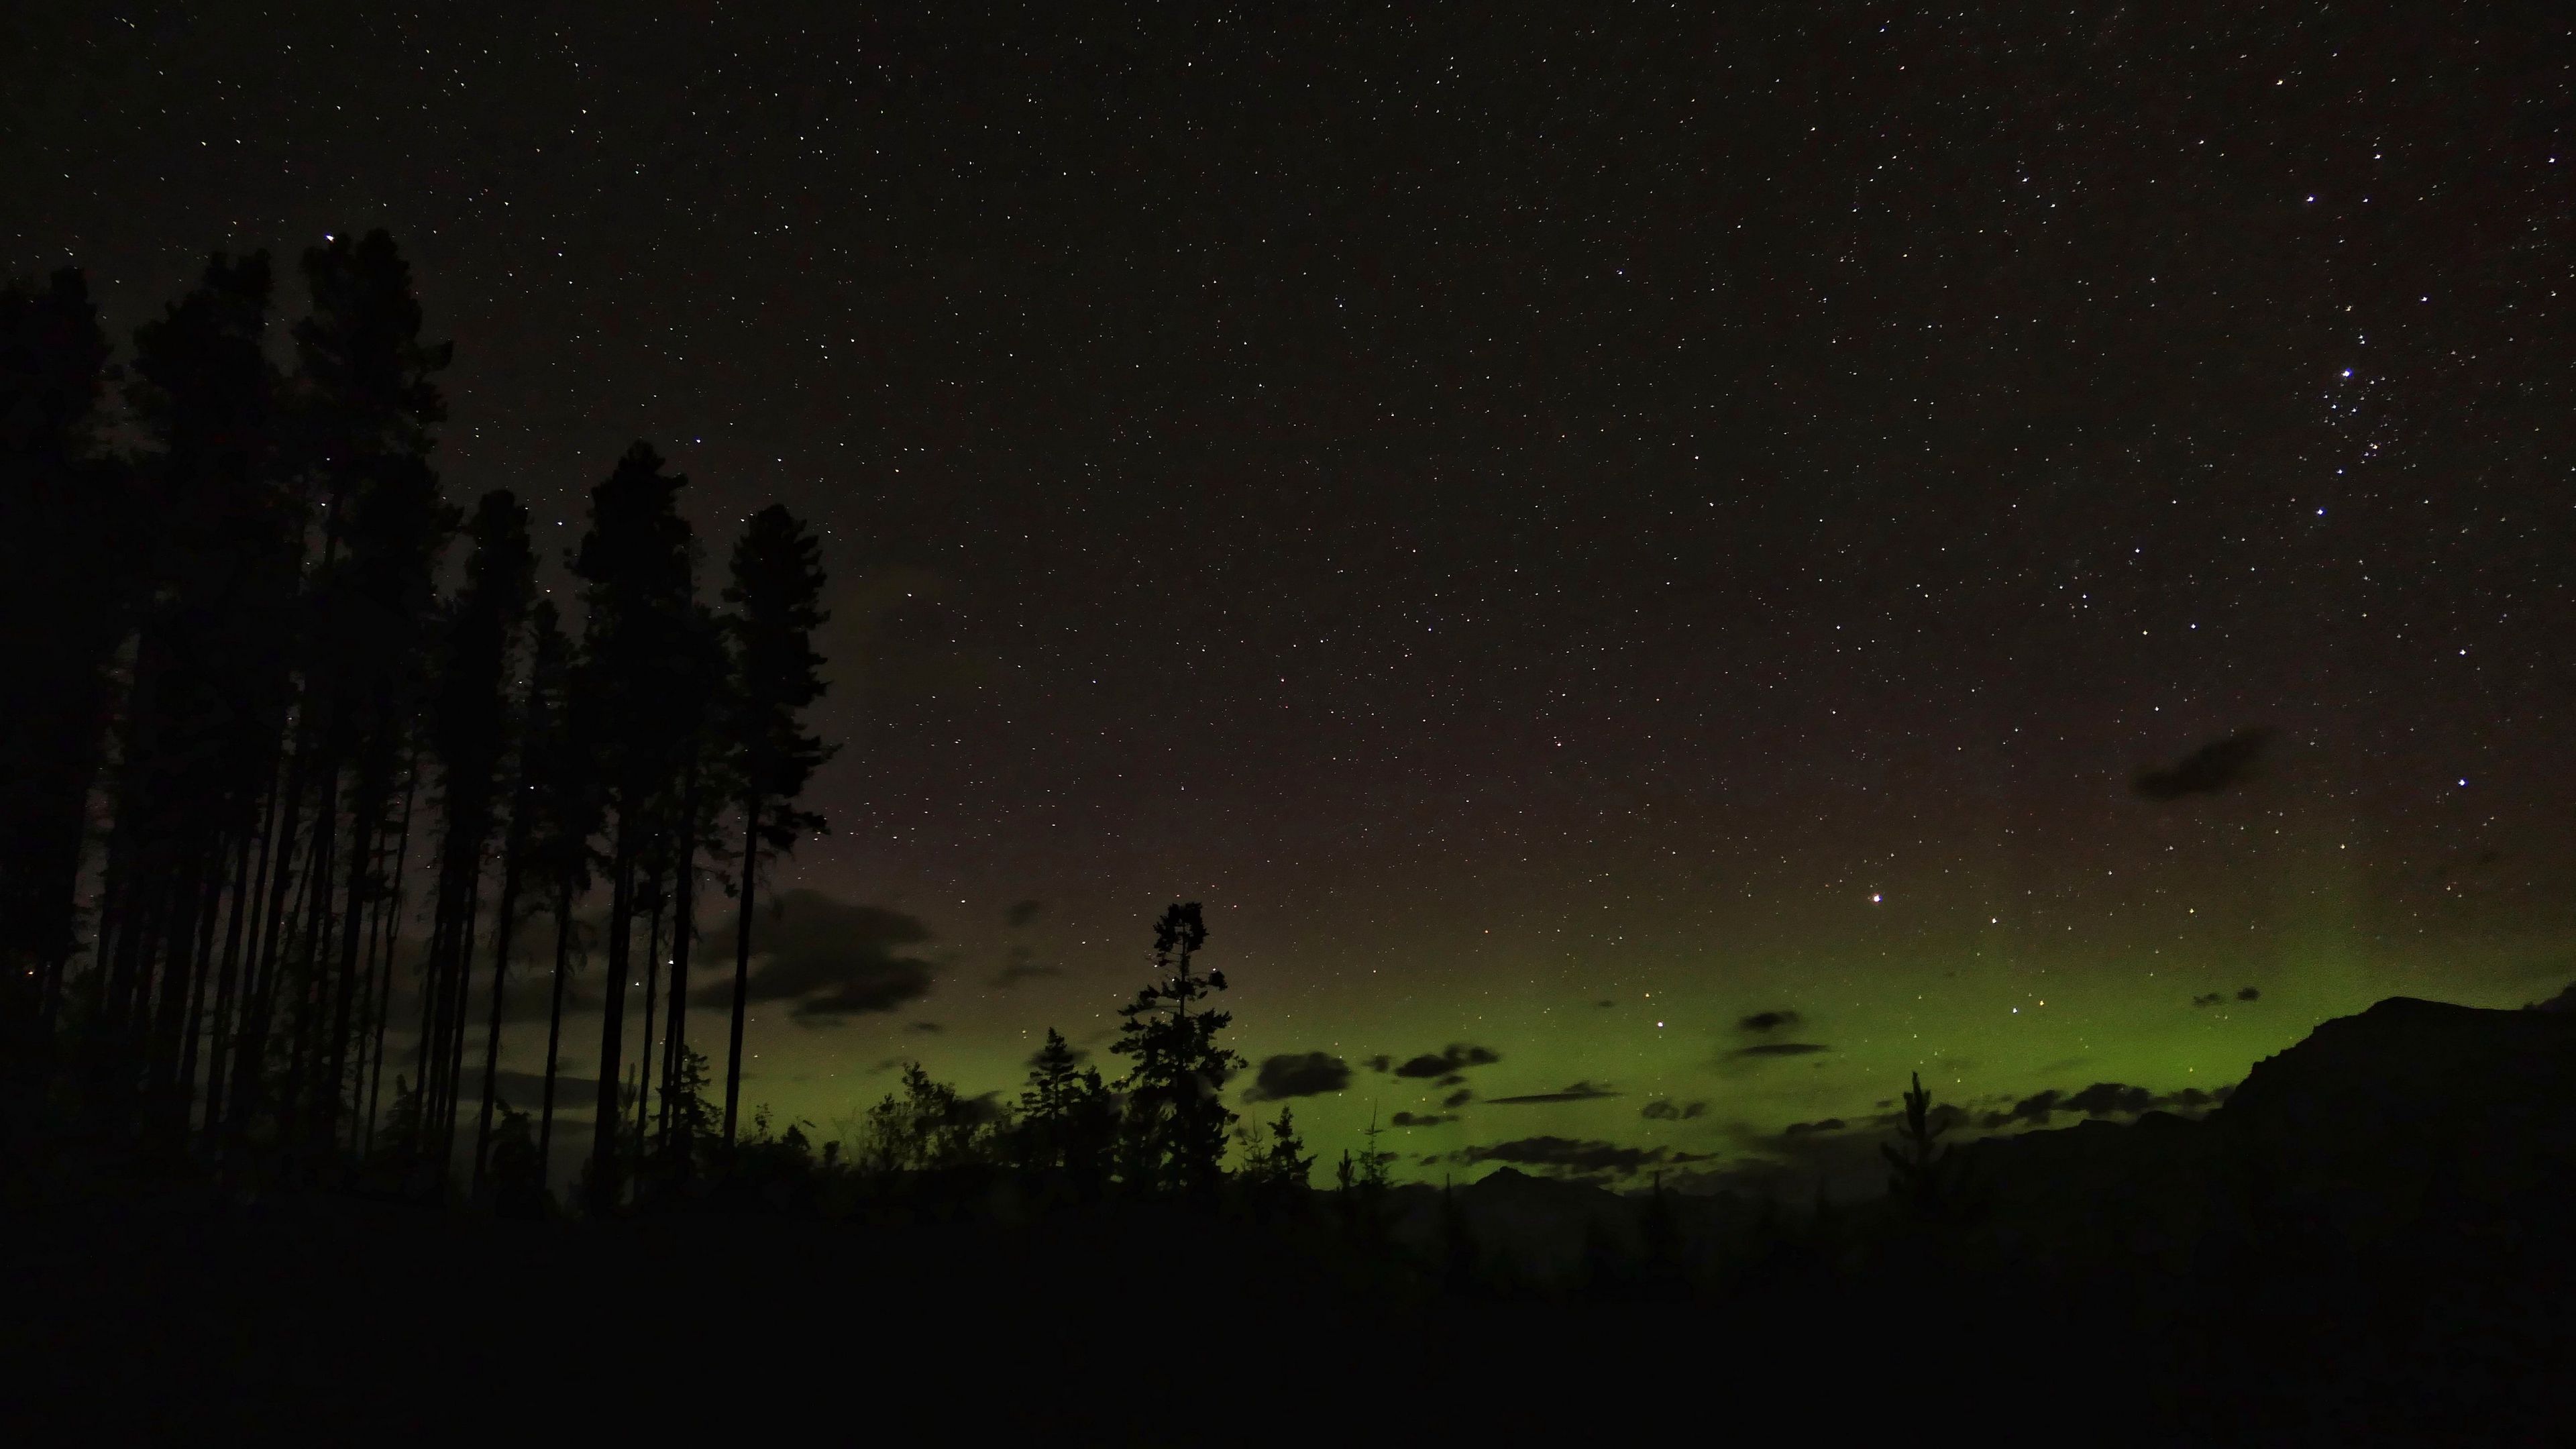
[(1565, 539)]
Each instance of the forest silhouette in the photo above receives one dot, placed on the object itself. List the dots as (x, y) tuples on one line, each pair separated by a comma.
[(245, 708)]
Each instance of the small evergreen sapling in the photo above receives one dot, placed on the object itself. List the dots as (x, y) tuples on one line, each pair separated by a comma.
[(1921, 1180)]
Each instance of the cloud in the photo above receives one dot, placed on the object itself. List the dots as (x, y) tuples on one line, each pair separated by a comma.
[(829, 957), (1298, 1074), (1762, 1021), (2248, 993), (1781, 1049), (1022, 913), (1804, 1129), (1570, 1156), (531, 995), (1419, 1119), (526, 1091), (882, 992), (1575, 1092), (926, 1026), (1377, 1063), (1023, 966), (1664, 1109), (1458, 1098), (2034, 1109), (2210, 998), (2102, 1099), (1603, 1005), (2106, 1099), (2212, 769), (1448, 1063)]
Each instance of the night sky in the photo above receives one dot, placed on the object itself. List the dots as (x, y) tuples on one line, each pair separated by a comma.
[(1622, 540)]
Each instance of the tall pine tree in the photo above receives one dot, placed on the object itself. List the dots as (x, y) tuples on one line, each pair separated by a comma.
[(1177, 1118), (776, 594), (638, 567)]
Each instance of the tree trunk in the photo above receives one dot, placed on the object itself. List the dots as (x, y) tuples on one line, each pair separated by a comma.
[(392, 939), (246, 893), (742, 962), (683, 929), (183, 1104), (603, 1147), (366, 823), (250, 1048), (652, 991), (554, 1025), (510, 853), (292, 1100), (452, 1069), (434, 967)]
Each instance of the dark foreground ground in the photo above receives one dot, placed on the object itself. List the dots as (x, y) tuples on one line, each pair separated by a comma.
[(2368, 1244), (355, 1322)]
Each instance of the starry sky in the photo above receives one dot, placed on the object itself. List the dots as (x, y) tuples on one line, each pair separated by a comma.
[(1633, 556)]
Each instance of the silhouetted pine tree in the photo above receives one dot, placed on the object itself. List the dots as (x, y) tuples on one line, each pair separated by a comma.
[(776, 593), (516, 1175), (703, 701), (924, 1127), (469, 731), (1276, 1171), (1046, 1103), (67, 556), (364, 409), (637, 563), (1177, 1117), (1920, 1182), (562, 803), (1362, 1189), (1068, 1127), (210, 665), (525, 745), (691, 1117)]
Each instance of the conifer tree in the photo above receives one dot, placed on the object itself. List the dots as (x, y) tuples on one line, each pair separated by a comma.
[(364, 407), (70, 523), (1046, 1103), (209, 670), (1921, 1166), (701, 701), (776, 593), (1068, 1125), (527, 745), (66, 556), (638, 566), (469, 731), (562, 803), (1278, 1170), (1176, 1111)]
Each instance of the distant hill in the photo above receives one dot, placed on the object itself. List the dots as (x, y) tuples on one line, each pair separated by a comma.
[(2410, 1115)]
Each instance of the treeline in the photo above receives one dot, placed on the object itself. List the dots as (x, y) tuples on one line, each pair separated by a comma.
[(1160, 1132), (236, 698)]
